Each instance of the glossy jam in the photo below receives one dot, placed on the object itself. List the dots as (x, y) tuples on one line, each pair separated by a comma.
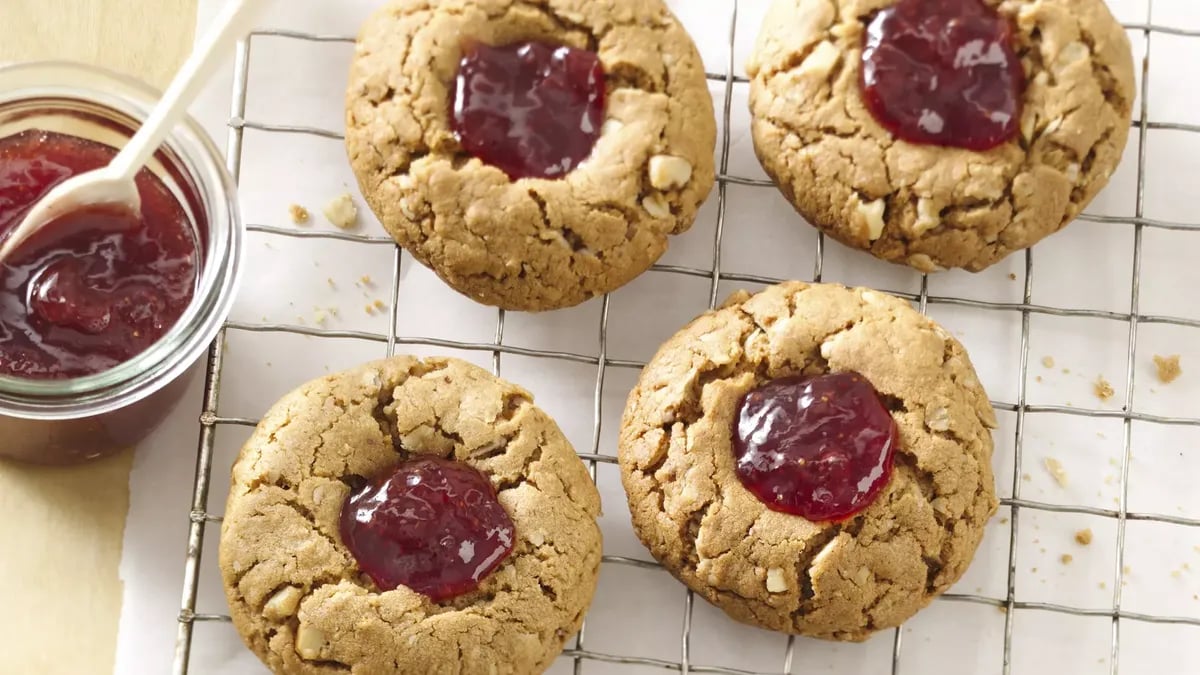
[(820, 448), (943, 72), (433, 525), (533, 110), (95, 287)]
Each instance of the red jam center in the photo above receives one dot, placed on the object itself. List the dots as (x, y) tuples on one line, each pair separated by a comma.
[(820, 448), (531, 109), (943, 72), (433, 525), (95, 287)]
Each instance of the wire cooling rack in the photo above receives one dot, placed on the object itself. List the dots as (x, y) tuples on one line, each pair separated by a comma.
[(579, 653)]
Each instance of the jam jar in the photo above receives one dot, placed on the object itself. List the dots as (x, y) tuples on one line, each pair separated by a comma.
[(103, 315)]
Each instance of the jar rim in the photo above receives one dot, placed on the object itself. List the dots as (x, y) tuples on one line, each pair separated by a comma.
[(220, 249)]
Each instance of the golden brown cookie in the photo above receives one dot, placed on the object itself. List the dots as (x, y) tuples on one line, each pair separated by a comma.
[(840, 580), (531, 244), (928, 206), (297, 595)]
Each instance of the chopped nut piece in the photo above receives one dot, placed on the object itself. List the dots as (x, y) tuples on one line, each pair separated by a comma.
[(862, 576), (656, 206), (872, 214), (775, 581), (1056, 470), (1168, 368), (1102, 388), (1048, 361), (283, 604), (928, 217), (938, 419), (342, 212), (309, 642), (298, 213), (669, 172)]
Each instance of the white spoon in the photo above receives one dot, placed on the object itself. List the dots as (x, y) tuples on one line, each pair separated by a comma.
[(114, 184)]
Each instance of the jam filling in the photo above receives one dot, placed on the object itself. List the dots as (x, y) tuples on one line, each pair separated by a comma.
[(943, 72), (531, 109), (433, 525), (94, 287), (820, 448)]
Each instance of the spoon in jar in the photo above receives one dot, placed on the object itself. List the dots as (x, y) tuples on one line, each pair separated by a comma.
[(114, 184)]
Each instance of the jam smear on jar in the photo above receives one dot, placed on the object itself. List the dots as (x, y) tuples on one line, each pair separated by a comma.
[(531, 109), (820, 448), (433, 525), (943, 72), (96, 286)]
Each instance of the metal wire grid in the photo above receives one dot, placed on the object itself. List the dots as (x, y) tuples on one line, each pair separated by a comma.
[(210, 420)]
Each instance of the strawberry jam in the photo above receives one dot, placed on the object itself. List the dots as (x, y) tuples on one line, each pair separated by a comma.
[(433, 525), (97, 286), (820, 448), (943, 72), (530, 109)]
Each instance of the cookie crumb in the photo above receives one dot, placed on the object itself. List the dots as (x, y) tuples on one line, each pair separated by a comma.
[(320, 317), (329, 280), (342, 212), (379, 305), (1066, 558), (1048, 361), (1012, 276), (299, 214), (1055, 468), (366, 280), (1102, 388), (1176, 574), (1004, 521), (1084, 536), (1168, 368), (1066, 371), (1103, 585), (369, 309), (1038, 378)]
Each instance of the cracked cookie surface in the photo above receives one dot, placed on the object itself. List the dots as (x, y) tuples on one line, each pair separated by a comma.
[(838, 580), (927, 206), (296, 594), (531, 244)]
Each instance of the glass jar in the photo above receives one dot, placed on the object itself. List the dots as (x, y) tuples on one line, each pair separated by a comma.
[(73, 420)]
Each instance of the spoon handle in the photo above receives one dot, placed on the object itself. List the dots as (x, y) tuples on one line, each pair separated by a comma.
[(231, 24)]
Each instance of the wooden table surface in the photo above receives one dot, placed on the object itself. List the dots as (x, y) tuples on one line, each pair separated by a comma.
[(61, 529)]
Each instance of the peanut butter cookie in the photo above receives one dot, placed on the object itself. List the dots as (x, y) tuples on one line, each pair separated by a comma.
[(511, 551), (898, 487), (940, 134), (533, 154)]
